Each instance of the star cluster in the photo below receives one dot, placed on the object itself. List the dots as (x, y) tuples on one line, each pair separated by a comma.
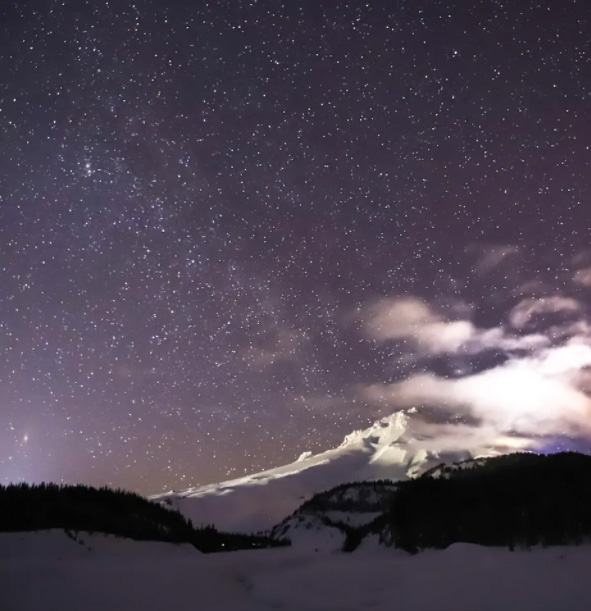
[(201, 201)]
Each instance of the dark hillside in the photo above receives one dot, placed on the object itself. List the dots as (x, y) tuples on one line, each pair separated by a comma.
[(82, 508), (513, 500)]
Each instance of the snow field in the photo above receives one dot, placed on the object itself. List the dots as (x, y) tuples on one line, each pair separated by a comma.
[(48, 571)]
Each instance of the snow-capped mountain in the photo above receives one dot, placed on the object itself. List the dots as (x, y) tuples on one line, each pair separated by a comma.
[(390, 449)]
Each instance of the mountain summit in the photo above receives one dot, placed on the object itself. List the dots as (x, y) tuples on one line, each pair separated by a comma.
[(389, 449), (386, 431)]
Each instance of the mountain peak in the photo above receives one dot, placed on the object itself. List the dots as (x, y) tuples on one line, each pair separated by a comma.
[(392, 448), (385, 431)]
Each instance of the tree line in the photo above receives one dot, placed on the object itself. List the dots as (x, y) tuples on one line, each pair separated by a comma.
[(25, 507), (518, 500)]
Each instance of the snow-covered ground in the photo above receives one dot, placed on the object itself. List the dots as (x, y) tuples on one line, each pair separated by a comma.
[(48, 571)]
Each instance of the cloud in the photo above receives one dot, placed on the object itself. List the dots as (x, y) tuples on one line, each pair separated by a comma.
[(412, 320), (498, 337), (493, 256), (525, 311), (535, 287), (477, 440), (540, 395), (583, 276), (538, 388)]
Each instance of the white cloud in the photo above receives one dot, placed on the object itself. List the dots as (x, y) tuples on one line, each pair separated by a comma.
[(497, 337), (565, 359), (439, 337), (542, 389), (398, 318), (583, 276), (539, 395), (528, 309), (413, 320), (477, 440)]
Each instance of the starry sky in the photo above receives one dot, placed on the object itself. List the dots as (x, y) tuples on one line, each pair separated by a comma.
[(233, 231)]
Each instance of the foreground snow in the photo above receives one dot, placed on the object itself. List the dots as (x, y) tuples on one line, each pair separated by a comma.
[(48, 570)]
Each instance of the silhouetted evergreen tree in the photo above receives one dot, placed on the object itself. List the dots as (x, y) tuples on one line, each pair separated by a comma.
[(515, 500), (83, 508)]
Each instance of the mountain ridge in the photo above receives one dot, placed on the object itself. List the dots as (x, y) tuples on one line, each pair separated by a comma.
[(390, 449)]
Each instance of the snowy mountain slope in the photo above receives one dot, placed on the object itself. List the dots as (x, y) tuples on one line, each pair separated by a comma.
[(324, 520), (389, 449), (47, 570)]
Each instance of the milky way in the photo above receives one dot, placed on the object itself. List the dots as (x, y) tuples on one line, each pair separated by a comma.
[(212, 213)]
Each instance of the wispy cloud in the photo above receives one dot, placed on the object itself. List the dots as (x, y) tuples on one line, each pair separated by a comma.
[(528, 309), (583, 276), (429, 333), (491, 257)]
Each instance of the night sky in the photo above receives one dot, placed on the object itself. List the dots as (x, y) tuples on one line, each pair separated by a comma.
[(233, 231)]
